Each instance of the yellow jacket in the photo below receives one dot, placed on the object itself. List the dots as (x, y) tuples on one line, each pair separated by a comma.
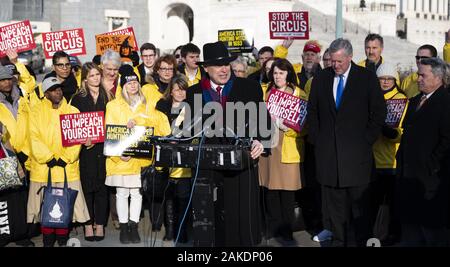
[(118, 112), (282, 52), (26, 81), (447, 52), (17, 126), (175, 172), (197, 78), (362, 63), (384, 148), (293, 148), (45, 137), (409, 85), (152, 94)]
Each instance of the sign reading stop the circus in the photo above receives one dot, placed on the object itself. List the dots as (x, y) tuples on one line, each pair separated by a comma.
[(293, 25), (70, 41)]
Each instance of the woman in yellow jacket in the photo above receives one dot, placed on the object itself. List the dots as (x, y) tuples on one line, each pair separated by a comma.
[(279, 172), (165, 69), (48, 154), (179, 189), (385, 148), (124, 173)]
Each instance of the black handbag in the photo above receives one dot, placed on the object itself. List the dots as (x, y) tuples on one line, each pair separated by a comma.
[(58, 204)]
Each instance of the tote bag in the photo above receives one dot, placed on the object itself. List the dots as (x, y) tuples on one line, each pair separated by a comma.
[(58, 204), (11, 173)]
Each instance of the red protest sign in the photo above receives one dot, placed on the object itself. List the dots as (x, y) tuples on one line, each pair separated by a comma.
[(289, 108), (395, 110), (127, 31), (70, 41), (17, 36), (77, 128), (289, 24)]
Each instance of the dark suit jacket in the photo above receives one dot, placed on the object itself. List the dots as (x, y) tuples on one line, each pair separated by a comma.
[(243, 90), (343, 139), (422, 185)]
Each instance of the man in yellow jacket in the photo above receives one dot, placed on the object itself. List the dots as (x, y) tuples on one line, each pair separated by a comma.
[(13, 131), (310, 58), (373, 47), (48, 155), (26, 81), (14, 114), (409, 84)]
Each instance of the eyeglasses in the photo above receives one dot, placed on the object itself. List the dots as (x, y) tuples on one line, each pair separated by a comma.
[(386, 79), (63, 65), (421, 57), (166, 69), (148, 56)]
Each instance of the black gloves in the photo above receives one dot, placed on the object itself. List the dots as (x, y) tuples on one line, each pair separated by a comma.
[(389, 132), (22, 157), (61, 163), (52, 163)]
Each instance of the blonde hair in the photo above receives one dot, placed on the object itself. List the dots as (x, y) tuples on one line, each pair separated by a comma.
[(133, 101)]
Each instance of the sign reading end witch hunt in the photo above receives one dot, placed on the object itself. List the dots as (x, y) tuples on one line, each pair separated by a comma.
[(17, 36), (122, 141), (284, 25), (395, 110), (289, 108), (77, 128)]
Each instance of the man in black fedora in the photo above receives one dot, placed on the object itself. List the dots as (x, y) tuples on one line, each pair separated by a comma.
[(225, 200)]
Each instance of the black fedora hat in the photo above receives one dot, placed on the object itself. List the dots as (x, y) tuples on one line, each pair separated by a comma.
[(216, 54)]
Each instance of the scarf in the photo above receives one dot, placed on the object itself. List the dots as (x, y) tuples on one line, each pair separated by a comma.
[(211, 95)]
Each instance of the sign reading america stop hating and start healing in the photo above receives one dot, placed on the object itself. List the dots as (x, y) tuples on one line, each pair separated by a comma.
[(17, 36), (77, 128), (287, 107)]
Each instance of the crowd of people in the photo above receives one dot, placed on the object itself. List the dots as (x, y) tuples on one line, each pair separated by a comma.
[(352, 175)]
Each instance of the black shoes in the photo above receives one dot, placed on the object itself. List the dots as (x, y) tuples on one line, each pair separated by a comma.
[(134, 235), (124, 234)]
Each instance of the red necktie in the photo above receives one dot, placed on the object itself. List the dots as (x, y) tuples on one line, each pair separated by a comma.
[(219, 91)]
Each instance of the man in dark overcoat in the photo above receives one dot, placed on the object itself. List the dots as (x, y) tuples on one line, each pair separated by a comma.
[(236, 218), (346, 112), (423, 160)]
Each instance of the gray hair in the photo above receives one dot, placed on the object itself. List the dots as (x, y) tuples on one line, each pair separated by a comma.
[(111, 56), (439, 68), (240, 60), (339, 44)]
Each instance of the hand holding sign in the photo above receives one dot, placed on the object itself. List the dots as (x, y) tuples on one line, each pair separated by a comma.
[(12, 55), (18, 36)]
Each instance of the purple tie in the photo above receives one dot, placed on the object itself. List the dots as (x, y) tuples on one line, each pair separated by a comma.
[(219, 91)]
